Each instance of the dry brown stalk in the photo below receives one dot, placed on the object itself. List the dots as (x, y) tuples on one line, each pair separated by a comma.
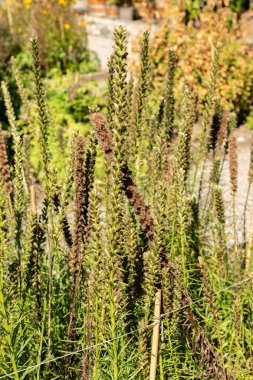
[(130, 189), (79, 204), (233, 163), (83, 185), (4, 165), (222, 133), (79, 232)]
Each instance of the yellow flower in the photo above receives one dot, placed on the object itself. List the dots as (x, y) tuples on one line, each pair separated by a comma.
[(27, 3), (67, 26), (82, 23)]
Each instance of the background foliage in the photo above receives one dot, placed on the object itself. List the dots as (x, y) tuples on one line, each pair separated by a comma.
[(61, 34), (236, 69)]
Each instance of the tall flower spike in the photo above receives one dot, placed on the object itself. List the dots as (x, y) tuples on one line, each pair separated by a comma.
[(160, 114), (110, 92), (233, 163), (174, 323), (21, 88), (232, 123), (90, 160), (169, 96), (130, 88), (218, 204), (79, 176), (143, 86), (96, 274), (19, 183), (216, 123), (10, 114), (120, 88), (79, 229), (231, 126), (19, 179), (83, 175), (223, 130), (215, 173), (4, 165), (208, 107), (129, 187), (184, 140), (43, 112)]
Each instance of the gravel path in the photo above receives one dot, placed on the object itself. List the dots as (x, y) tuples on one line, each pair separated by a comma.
[(244, 146), (100, 34)]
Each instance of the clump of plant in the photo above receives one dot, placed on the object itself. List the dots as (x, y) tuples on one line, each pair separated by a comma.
[(81, 259), (61, 34), (193, 47)]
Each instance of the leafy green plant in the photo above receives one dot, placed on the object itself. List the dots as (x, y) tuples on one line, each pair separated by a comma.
[(193, 48), (62, 35)]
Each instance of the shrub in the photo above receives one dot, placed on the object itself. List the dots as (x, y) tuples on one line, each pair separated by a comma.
[(194, 53)]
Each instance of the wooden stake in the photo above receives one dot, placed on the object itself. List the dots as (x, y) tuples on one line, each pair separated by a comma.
[(155, 337), (9, 15)]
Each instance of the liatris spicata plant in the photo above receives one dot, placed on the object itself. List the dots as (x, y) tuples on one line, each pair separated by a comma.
[(43, 113), (79, 232), (142, 89), (169, 96), (110, 91), (120, 91), (81, 258)]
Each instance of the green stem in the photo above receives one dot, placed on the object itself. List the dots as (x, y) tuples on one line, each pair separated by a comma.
[(7, 327), (113, 328), (97, 350), (161, 366), (42, 331), (244, 213)]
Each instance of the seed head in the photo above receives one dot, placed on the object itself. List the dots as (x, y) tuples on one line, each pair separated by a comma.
[(233, 163)]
